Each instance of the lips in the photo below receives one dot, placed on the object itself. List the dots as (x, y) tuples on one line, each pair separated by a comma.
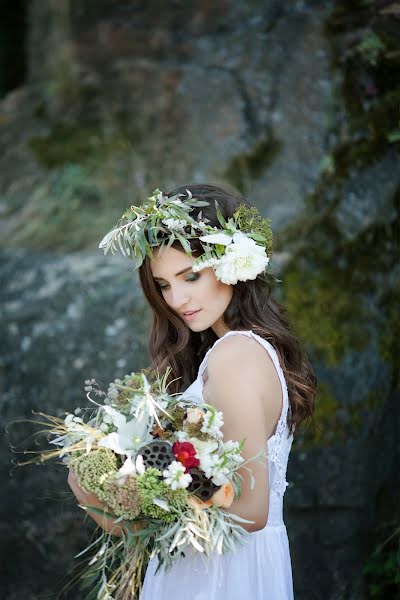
[(191, 314)]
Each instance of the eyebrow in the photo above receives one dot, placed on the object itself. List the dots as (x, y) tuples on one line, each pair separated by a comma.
[(176, 274)]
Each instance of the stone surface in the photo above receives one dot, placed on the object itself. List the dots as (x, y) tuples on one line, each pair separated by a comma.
[(64, 320), (367, 197), (277, 99)]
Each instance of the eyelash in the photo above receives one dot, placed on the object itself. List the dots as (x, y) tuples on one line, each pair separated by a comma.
[(195, 275)]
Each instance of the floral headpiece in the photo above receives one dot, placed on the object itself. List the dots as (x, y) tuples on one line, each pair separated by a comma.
[(238, 250)]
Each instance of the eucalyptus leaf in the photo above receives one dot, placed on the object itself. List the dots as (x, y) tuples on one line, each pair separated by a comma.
[(138, 258), (142, 241), (195, 202), (171, 240), (258, 237), (220, 216), (184, 242)]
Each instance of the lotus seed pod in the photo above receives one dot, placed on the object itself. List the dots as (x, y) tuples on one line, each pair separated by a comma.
[(201, 486), (157, 454)]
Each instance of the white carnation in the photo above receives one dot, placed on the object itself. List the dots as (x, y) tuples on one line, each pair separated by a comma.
[(243, 260)]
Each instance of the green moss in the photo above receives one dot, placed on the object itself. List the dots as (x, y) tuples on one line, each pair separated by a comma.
[(323, 310), (371, 47), (326, 407), (67, 212), (335, 421), (325, 433), (244, 168), (381, 569), (75, 144), (121, 496), (389, 341)]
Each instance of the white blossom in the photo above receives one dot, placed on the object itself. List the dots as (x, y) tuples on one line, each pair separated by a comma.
[(204, 448), (217, 238), (231, 450), (242, 260), (112, 392), (212, 423), (181, 436), (194, 415), (199, 265), (215, 469), (175, 224), (175, 476), (130, 468), (129, 435)]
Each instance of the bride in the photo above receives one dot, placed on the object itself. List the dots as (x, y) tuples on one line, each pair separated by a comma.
[(216, 325)]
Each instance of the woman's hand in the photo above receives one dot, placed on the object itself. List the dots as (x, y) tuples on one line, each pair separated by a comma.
[(86, 499)]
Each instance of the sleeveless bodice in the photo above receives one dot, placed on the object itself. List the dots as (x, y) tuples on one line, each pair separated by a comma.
[(278, 445)]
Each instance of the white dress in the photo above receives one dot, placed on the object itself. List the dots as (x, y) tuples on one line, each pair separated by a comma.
[(260, 569)]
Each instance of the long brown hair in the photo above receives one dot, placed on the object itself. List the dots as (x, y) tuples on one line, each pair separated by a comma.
[(172, 343)]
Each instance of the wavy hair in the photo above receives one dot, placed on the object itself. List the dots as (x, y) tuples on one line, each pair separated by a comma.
[(172, 343)]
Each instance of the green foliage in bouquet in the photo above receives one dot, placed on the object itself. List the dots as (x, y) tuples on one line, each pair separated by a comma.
[(150, 488)]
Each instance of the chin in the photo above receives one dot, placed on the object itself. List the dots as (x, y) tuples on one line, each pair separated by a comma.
[(199, 327)]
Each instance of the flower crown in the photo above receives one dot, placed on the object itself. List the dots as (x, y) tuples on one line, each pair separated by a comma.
[(238, 250)]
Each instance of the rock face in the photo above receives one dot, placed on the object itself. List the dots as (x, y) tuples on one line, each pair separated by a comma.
[(295, 105), (64, 320), (136, 98), (343, 285)]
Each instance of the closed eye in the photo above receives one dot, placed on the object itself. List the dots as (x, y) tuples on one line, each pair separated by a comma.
[(192, 277)]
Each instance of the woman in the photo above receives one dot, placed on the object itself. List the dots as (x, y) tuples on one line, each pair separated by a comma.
[(215, 323)]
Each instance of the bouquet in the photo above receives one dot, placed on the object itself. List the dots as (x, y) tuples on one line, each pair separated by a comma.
[(160, 465)]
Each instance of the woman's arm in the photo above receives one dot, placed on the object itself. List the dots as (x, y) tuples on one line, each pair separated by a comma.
[(85, 499), (243, 383)]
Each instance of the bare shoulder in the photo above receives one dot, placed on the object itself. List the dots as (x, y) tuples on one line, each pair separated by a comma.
[(240, 366), (239, 351)]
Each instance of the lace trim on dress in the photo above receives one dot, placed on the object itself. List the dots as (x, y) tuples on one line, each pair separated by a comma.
[(280, 442)]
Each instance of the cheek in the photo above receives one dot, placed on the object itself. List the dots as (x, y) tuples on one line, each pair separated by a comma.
[(212, 292), (222, 293)]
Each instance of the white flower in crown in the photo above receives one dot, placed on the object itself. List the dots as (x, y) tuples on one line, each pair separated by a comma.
[(175, 224), (243, 258)]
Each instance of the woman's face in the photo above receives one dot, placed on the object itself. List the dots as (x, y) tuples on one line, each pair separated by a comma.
[(188, 291)]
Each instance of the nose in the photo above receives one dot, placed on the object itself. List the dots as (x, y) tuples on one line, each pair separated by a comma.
[(178, 299)]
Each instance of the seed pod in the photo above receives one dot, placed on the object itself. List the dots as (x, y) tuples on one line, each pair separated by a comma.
[(201, 486), (157, 454)]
